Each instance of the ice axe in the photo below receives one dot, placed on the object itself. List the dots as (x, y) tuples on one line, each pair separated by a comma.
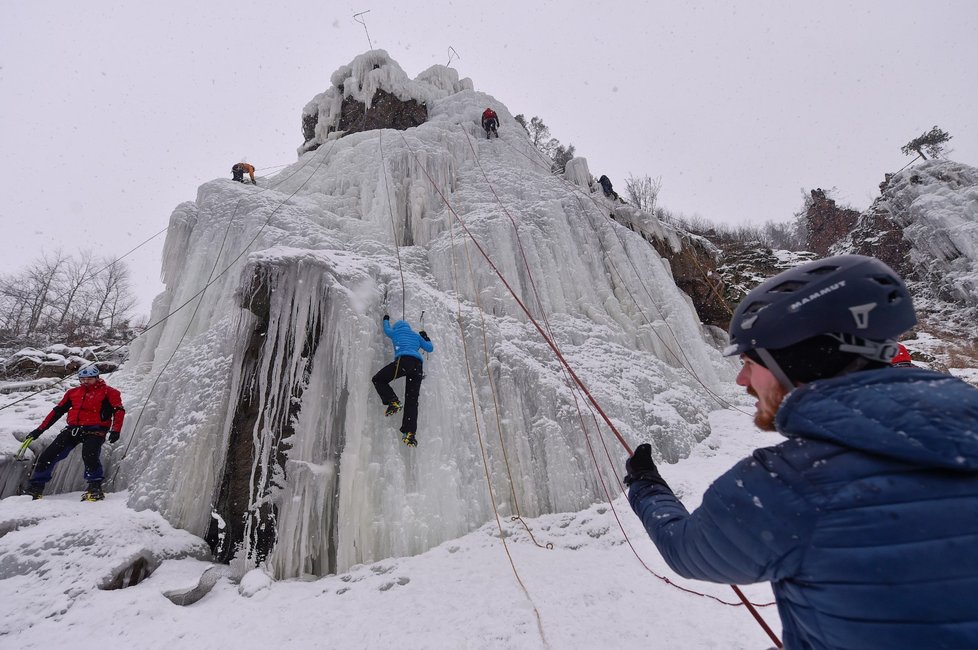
[(421, 328), (23, 449)]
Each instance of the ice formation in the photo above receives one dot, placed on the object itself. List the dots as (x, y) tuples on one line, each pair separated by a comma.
[(936, 204), (256, 422)]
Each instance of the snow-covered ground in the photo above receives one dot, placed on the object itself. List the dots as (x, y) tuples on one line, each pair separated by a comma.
[(589, 590)]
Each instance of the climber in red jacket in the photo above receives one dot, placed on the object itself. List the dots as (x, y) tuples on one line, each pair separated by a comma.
[(489, 122), (94, 409)]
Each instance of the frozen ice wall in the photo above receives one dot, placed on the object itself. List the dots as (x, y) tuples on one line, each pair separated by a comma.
[(256, 423), (936, 203)]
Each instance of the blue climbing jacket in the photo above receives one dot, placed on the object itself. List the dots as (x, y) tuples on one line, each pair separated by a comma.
[(865, 520), (406, 340)]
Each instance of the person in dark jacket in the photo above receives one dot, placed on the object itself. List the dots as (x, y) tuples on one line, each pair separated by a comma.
[(865, 520), (407, 363), (607, 188), (94, 410)]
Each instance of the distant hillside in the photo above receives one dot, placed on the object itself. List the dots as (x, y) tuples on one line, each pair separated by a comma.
[(924, 225)]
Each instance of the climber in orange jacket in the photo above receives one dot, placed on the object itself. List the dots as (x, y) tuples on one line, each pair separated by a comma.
[(238, 172)]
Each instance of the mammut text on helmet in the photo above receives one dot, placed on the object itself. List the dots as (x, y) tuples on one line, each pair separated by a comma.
[(795, 306)]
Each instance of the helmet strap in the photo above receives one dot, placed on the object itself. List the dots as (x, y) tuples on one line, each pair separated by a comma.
[(881, 351), (775, 369)]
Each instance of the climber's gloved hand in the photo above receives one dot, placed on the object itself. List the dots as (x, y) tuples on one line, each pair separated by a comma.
[(32, 436), (423, 334), (113, 437), (641, 467), (387, 317)]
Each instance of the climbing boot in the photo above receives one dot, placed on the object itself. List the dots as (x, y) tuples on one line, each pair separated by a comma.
[(408, 439), (94, 492), (35, 490), (392, 408)]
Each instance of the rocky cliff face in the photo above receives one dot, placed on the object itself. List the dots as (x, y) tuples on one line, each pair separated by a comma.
[(386, 111), (924, 225), (371, 93), (827, 223), (694, 267)]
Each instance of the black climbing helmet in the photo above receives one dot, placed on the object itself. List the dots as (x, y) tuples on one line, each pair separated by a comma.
[(848, 295)]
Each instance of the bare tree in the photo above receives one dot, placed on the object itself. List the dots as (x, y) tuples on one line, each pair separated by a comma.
[(40, 278), (73, 278), (539, 134), (114, 295), (643, 192), (552, 148), (60, 297)]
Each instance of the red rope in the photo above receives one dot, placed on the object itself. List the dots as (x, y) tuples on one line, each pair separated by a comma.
[(526, 311), (583, 388)]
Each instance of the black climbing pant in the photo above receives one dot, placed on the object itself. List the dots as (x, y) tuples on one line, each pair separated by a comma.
[(59, 449), (412, 369)]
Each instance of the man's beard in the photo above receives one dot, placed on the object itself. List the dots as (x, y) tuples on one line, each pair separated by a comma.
[(767, 407)]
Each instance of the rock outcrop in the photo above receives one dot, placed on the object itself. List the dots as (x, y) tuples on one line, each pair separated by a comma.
[(826, 223)]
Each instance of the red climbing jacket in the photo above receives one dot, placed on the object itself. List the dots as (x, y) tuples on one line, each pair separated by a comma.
[(97, 407)]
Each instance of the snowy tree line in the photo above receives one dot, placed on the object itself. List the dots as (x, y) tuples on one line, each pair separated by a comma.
[(66, 298), (643, 192)]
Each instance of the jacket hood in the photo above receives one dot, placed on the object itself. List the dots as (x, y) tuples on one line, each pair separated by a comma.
[(916, 416), (401, 324)]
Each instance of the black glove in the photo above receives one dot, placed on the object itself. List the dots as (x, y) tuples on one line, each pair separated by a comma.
[(32, 436), (423, 334), (387, 317), (113, 437), (641, 467)]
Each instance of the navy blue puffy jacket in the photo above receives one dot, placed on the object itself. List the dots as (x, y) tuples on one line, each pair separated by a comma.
[(406, 340), (865, 521)]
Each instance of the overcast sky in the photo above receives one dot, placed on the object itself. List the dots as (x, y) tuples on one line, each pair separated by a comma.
[(112, 112)]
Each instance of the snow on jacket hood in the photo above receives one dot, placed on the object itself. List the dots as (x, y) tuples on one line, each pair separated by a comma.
[(917, 416)]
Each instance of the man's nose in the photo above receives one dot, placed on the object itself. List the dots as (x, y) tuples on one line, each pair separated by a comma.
[(743, 377)]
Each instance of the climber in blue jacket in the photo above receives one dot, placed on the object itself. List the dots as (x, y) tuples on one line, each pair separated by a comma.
[(865, 520), (407, 363)]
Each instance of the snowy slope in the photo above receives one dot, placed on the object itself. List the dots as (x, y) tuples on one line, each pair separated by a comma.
[(254, 401), (589, 590)]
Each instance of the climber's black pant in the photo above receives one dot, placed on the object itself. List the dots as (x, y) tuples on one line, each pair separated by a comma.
[(58, 450), (412, 369)]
